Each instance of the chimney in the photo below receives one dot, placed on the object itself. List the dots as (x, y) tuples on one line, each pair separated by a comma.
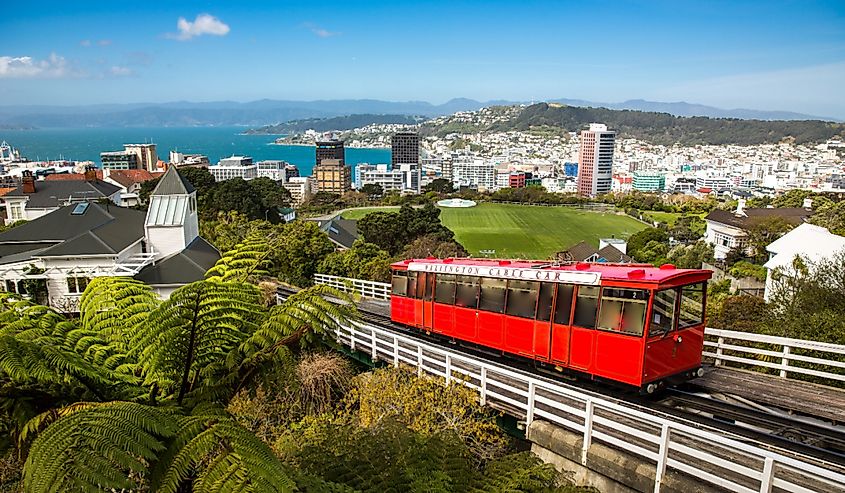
[(28, 182), (808, 204), (90, 174)]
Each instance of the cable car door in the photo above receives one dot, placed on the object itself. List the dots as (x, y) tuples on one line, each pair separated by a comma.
[(427, 290)]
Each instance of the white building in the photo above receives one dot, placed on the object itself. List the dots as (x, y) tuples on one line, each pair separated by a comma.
[(811, 243), (389, 180), (474, 173), (711, 181), (234, 167), (300, 188), (275, 170), (36, 198), (77, 242)]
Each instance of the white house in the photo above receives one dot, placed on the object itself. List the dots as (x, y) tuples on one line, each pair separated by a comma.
[(76, 242), (812, 243), (727, 230), (36, 198)]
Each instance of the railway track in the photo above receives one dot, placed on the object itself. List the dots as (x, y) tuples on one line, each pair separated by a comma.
[(824, 444)]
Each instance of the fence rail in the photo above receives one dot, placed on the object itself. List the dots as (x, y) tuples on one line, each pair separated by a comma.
[(709, 455), (724, 347), (729, 346)]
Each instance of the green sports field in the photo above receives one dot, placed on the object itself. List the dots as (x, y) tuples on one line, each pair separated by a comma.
[(525, 231)]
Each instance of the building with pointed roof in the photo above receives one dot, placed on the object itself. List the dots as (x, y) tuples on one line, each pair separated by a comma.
[(79, 241)]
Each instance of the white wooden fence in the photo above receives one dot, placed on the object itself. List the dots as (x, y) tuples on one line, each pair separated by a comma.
[(741, 347), (739, 344), (706, 454)]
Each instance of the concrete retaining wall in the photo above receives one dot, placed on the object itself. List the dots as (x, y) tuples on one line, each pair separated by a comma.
[(608, 470)]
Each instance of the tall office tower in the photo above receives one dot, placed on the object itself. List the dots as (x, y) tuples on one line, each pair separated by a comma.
[(595, 160), (331, 149), (332, 176), (405, 156), (147, 156)]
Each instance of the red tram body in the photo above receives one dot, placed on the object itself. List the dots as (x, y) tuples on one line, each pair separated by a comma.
[(634, 324)]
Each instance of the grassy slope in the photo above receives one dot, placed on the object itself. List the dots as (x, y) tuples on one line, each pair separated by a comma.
[(522, 231)]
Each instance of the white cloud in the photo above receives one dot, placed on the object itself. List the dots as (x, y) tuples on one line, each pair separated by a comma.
[(85, 42), (321, 32), (22, 67), (104, 42), (203, 24), (118, 71)]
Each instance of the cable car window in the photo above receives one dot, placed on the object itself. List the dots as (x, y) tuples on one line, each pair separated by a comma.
[(445, 290), (623, 310), (663, 312), (586, 307), (546, 298), (522, 298), (692, 305), (563, 306), (492, 297), (399, 286), (466, 292), (412, 284)]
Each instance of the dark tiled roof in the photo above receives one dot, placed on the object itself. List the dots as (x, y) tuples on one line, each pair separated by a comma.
[(794, 215), (343, 232), (53, 193), (172, 183), (184, 267), (612, 254), (100, 230), (581, 251)]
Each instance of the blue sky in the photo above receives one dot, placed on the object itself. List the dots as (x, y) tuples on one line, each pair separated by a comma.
[(774, 54)]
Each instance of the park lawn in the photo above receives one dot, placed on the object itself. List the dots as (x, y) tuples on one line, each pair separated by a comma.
[(363, 211), (532, 232)]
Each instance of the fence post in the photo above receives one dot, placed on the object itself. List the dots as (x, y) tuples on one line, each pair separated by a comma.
[(529, 415), (448, 368), (419, 361), (784, 361), (662, 457), (768, 475), (396, 352), (352, 330), (483, 385), (719, 343), (375, 347), (588, 431)]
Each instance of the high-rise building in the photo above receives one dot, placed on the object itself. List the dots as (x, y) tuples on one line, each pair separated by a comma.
[(147, 156), (595, 160), (331, 149), (378, 174), (473, 173), (119, 160), (332, 176), (405, 157), (649, 182), (234, 167)]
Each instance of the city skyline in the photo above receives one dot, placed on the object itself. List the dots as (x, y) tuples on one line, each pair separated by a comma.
[(767, 56)]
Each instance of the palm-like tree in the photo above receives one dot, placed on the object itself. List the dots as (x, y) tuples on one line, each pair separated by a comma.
[(132, 394)]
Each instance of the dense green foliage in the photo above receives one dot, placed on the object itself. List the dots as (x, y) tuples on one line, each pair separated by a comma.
[(392, 232), (534, 195), (663, 128), (259, 198)]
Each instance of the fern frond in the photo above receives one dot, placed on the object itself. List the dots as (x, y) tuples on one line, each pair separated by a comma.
[(247, 261), (97, 448)]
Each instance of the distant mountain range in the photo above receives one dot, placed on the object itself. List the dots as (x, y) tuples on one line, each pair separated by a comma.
[(269, 112), (338, 123)]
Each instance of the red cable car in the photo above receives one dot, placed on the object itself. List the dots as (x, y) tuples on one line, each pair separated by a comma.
[(638, 325)]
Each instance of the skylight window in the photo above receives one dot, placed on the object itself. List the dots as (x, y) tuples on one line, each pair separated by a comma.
[(80, 209)]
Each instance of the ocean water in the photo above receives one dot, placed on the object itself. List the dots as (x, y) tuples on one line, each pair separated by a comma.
[(85, 144)]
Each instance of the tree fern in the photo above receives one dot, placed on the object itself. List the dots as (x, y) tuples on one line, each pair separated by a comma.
[(187, 338), (248, 261), (97, 448), (114, 307), (218, 455)]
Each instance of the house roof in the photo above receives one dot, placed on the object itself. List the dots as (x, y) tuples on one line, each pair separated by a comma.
[(99, 230), (581, 251), (54, 193), (612, 254), (793, 215), (341, 231), (70, 176), (173, 183), (129, 177), (810, 241), (183, 267), (4, 191)]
